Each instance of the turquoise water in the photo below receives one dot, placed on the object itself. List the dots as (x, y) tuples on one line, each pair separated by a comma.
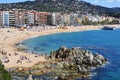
[(104, 42)]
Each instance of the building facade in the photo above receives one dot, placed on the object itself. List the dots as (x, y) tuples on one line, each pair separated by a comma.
[(31, 18), (20, 17), (7, 18), (42, 18)]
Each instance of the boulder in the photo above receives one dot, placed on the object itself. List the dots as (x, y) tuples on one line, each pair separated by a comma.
[(83, 60)]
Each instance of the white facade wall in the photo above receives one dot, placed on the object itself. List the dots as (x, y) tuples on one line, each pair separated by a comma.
[(30, 18)]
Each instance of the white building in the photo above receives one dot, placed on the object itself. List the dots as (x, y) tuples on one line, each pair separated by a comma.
[(7, 18), (56, 18), (30, 18), (53, 19), (74, 19)]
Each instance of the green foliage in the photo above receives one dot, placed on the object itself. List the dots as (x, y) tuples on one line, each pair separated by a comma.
[(102, 22), (114, 22), (4, 75), (61, 6)]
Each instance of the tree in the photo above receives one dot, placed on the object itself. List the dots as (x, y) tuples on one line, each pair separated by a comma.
[(4, 75), (115, 22), (65, 24)]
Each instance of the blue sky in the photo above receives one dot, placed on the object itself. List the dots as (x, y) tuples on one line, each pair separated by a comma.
[(106, 3)]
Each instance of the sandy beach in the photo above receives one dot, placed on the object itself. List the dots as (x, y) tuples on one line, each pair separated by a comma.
[(11, 57)]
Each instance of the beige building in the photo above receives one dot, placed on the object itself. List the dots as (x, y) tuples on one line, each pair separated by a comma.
[(20, 17)]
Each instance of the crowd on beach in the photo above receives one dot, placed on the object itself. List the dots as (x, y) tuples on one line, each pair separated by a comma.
[(5, 57), (12, 58), (40, 28)]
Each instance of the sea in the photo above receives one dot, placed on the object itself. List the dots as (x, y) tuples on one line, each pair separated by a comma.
[(105, 42)]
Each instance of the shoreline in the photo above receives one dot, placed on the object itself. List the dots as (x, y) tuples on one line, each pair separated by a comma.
[(60, 31), (9, 39)]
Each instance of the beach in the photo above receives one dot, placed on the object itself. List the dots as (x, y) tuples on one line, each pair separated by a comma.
[(11, 57)]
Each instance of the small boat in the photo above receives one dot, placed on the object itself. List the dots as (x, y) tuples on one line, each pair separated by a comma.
[(107, 28), (116, 28)]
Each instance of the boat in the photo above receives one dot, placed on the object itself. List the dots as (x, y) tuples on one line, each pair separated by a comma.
[(107, 28), (116, 28)]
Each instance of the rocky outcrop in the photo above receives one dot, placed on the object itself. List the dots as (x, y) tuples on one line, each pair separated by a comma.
[(81, 60), (63, 53), (66, 64)]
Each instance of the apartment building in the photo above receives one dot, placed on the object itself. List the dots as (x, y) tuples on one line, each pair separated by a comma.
[(73, 19), (49, 19), (30, 18), (67, 19), (20, 17), (57, 19), (7, 18), (42, 17)]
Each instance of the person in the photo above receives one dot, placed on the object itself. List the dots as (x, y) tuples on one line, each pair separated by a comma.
[(9, 54), (15, 53)]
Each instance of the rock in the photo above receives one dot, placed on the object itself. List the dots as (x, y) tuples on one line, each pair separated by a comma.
[(78, 61), (73, 58), (20, 69), (99, 56), (60, 78), (60, 65), (30, 77), (63, 52), (84, 70), (91, 56), (79, 69)]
